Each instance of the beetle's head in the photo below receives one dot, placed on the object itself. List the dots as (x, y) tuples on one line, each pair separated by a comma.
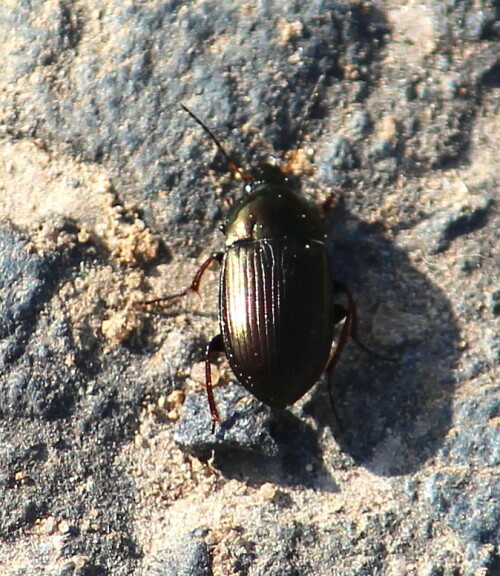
[(270, 174)]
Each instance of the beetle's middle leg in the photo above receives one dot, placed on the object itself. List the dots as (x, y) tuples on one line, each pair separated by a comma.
[(350, 328), (193, 287), (215, 345), (339, 313)]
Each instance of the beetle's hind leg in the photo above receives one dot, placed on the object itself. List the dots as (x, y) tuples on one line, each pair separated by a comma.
[(193, 287), (216, 345)]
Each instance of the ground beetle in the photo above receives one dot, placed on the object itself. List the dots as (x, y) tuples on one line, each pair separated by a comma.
[(276, 308)]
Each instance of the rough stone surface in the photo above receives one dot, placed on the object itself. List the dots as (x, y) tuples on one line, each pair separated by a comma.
[(111, 195)]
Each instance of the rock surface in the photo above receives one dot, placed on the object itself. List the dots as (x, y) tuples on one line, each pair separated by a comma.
[(111, 195)]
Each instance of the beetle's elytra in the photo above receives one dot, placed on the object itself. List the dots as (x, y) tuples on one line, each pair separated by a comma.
[(276, 308)]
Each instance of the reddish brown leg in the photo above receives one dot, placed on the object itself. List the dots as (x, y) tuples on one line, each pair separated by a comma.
[(195, 284), (339, 314), (216, 345), (353, 328), (349, 329), (344, 334)]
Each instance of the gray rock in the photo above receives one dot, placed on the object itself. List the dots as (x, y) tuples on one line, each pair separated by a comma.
[(190, 557), (110, 194)]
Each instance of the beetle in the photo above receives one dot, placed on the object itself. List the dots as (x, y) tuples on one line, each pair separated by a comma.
[(277, 312)]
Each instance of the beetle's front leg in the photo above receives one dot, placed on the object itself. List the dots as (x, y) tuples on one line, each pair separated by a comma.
[(216, 345), (193, 287)]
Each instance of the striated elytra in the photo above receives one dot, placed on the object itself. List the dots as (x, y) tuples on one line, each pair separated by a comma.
[(276, 291), (276, 308)]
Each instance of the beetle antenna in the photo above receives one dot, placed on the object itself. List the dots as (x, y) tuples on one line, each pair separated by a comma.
[(305, 116), (231, 165)]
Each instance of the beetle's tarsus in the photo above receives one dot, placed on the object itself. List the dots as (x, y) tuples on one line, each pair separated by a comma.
[(162, 300), (193, 287)]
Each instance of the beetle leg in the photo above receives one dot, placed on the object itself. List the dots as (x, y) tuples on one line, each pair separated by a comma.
[(216, 345), (193, 287), (352, 328), (349, 329), (339, 314)]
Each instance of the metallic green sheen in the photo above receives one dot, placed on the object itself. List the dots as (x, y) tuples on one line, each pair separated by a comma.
[(273, 210), (276, 316), (276, 307)]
